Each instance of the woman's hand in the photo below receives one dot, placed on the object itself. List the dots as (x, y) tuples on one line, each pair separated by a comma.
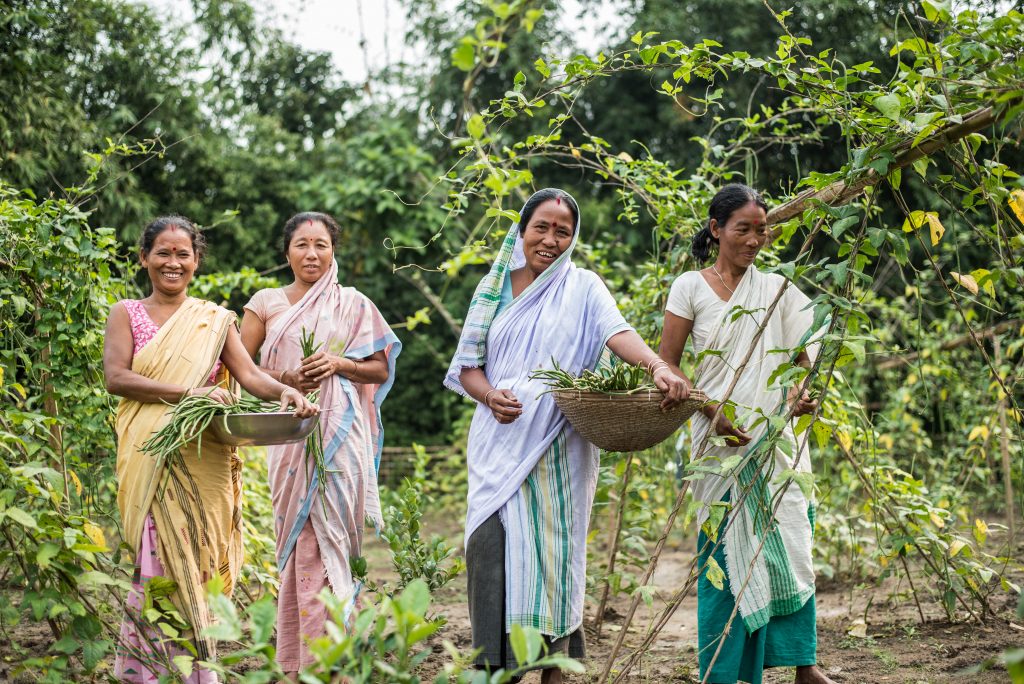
[(675, 388), (216, 393), (503, 405), (801, 402), (734, 436), (321, 365), (297, 379), (303, 407)]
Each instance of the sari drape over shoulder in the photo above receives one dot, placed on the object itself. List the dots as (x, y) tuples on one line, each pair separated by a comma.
[(782, 574), (536, 471), (346, 323), (197, 511)]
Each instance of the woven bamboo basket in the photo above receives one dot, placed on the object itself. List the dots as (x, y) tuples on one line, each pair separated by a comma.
[(624, 422)]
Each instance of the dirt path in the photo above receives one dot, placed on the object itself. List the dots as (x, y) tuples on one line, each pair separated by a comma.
[(896, 647)]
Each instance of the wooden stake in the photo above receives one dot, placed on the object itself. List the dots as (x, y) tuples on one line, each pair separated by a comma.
[(616, 532), (1004, 447)]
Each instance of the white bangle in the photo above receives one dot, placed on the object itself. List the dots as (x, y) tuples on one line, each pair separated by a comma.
[(653, 366), (487, 396)]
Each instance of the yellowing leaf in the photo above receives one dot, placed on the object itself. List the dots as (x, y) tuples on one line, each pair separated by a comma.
[(966, 281), (76, 481), (937, 519), (574, 151), (885, 441), (956, 547), (714, 574), (980, 530), (986, 283), (844, 439), (95, 534), (917, 219), (1016, 201), (858, 629), (624, 156), (978, 431)]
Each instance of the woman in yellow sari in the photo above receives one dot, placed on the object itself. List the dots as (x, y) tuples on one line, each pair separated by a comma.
[(157, 351)]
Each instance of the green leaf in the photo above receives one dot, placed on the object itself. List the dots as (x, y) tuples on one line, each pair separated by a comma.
[(46, 553), (464, 57), (822, 432), (415, 598), (184, 664), (22, 518), (517, 637), (889, 105), (95, 578), (803, 479), (93, 653), (262, 616), (67, 644), (476, 127)]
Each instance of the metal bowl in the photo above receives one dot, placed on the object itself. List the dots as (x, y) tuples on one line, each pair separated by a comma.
[(257, 429)]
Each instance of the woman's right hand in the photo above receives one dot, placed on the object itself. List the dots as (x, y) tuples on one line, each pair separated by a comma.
[(503, 405), (303, 407), (216, 393), (299, 380), (734, 436)]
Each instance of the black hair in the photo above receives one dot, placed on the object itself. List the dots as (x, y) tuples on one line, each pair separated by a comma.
[(162, 223), (540, 197), (292, 224), (726, 201)]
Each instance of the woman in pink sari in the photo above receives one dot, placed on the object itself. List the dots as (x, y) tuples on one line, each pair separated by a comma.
[(319, 528)]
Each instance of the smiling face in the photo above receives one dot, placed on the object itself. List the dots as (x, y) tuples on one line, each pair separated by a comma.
[(171, 262), (742, 236), (310, 251), (547, 235)]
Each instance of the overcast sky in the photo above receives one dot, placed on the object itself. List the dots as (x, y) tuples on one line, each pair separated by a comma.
[(335, 26)]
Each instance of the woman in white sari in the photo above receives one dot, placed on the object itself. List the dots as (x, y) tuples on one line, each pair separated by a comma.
[(767, 563), (531, 477)]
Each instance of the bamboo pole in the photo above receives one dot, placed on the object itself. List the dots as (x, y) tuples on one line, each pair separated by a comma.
[(841, 192), (615, 533), (1004, 448)]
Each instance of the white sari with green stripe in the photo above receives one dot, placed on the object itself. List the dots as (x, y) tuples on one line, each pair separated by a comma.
[(536, 472), (778, 579)]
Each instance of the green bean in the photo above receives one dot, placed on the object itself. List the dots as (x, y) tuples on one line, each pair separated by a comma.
[(622, 378)]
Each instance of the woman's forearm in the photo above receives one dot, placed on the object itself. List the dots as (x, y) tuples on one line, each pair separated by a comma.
[(367, 371), (475, 382), (131, 385)]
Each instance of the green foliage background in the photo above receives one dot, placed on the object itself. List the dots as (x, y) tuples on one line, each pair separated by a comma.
[(112, 114)]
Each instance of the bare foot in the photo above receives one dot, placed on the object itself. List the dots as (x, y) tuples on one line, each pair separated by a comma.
[(811, 674), (551, 675)]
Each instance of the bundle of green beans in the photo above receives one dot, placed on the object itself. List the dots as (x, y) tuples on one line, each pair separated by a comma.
[(315, 441), (622, 378), (191, 416)]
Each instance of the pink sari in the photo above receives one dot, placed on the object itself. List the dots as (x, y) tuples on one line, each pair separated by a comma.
[(346, 323)]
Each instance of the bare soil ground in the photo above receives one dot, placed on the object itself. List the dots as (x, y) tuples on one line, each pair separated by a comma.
[(897, 647)]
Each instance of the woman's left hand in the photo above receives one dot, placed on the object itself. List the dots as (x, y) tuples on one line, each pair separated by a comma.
[(674, 388), (303, 407), (321, 365), (801, 401)]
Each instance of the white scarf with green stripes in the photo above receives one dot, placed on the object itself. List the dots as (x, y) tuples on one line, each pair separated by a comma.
[(779, 578)]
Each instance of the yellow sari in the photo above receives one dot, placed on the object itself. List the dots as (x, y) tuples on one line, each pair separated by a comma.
[(198, 514)]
